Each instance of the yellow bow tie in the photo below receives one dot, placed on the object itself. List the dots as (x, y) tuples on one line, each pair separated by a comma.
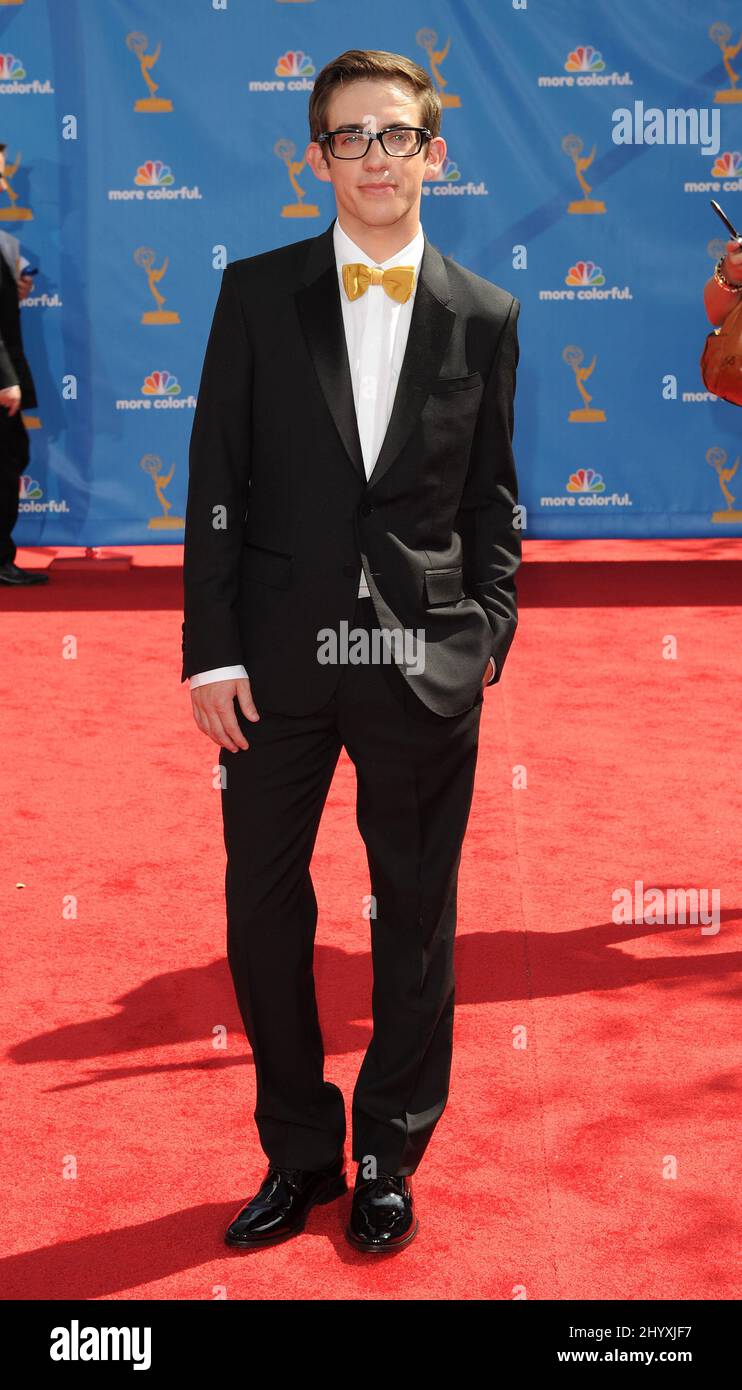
[(397, 280)]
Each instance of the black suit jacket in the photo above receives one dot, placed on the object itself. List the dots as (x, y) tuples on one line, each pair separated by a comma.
[(14, 369), (280, 516)]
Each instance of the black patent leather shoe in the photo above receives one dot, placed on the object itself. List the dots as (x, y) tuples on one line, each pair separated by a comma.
[(382, 1216), (11, 573), (280, 1207)]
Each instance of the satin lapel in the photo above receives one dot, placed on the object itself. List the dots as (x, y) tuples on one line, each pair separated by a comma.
[(430, 329), (321, 318), (320, 313)]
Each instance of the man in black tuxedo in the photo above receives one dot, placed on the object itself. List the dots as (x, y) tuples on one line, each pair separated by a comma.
[(17, 392), (351, 474)]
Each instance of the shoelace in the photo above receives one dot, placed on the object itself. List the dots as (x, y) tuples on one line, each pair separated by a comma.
[(292, 1175)]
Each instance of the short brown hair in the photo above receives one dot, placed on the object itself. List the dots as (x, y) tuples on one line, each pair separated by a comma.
[(364, 64)]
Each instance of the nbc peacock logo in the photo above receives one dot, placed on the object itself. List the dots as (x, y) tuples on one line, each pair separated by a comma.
[(585, 488), (585, 280), (293, 71), (449, 172), (12, 75), (11, 68), (161, 384), (160, 390), (584, 59), (727, 167), (448, 183), (154, 180), (724, 177), (585, 480), (31, 499), (584, 273), (154, 174), (585, 66), (294, 63)]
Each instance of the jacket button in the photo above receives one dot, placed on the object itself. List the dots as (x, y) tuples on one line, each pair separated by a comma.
[(366, 508), (349, 571)]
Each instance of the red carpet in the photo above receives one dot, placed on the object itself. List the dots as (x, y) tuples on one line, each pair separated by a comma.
[(597, 1161)]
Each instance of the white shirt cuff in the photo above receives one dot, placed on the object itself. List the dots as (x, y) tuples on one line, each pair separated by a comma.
[(218, 673)]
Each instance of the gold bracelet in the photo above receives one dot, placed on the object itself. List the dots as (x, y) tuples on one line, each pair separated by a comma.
[(721, 278)]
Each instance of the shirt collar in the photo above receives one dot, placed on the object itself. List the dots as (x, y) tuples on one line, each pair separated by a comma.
[(346, 250)]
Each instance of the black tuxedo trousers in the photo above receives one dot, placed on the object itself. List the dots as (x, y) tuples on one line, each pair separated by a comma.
[(415, 774)]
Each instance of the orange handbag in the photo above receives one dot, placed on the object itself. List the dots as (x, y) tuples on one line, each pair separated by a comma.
[(721, 359)]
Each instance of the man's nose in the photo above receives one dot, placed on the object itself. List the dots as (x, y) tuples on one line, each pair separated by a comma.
[(376, 159)]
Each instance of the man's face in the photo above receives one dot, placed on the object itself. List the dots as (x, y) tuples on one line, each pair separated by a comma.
[(380, 188), (3, 184)]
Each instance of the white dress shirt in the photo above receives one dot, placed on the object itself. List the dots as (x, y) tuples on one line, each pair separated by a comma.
[(376, 332)]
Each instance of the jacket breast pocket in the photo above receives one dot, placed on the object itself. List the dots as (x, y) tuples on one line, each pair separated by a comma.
[(445, 430), (267, 566), (456, 383), (444, 585)]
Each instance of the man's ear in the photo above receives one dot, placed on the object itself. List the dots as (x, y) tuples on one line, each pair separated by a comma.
[(436, 158), (317, 161)]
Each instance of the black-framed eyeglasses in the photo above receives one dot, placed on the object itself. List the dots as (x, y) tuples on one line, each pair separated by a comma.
[(350, 142)]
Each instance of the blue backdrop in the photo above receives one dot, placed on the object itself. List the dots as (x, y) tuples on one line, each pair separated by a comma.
[(151, 141)]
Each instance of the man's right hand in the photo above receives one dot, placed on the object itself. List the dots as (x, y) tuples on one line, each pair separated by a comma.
[(10, 397), (213, 711)]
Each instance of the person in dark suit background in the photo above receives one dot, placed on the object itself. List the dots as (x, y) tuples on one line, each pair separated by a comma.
[(351, 463), (17, 392)]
